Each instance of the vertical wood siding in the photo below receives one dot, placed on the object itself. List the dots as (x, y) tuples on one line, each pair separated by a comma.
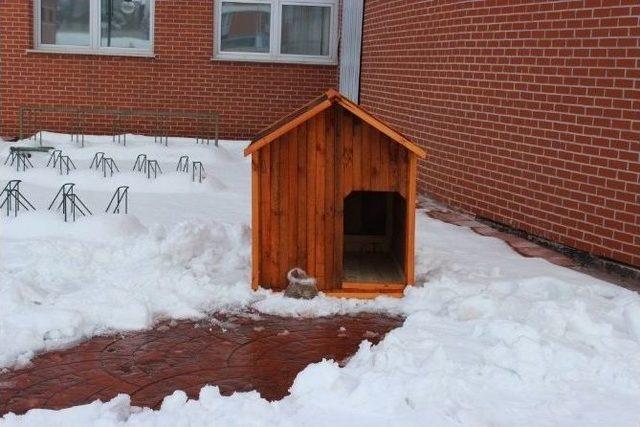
[(303, 178)]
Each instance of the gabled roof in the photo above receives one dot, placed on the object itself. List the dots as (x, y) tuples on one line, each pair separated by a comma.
[(318, 105)]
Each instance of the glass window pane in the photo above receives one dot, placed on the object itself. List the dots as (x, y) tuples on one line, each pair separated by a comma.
[(125, 24), (305, 30), (245, 27), (65, 22)]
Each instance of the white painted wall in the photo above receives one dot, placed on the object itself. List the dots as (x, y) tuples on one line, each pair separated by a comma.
[(350, 48)]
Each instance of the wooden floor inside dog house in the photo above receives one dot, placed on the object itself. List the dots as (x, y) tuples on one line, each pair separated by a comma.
[(374, 233), (363, 267)]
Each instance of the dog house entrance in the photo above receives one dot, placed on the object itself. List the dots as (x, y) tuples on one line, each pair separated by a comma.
[(374, 233)]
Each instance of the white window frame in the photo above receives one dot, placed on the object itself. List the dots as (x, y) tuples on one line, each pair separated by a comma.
[(275, 35), (94, 47)]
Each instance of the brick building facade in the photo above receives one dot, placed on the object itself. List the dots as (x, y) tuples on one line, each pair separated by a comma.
[(181, 75), (530, 110)]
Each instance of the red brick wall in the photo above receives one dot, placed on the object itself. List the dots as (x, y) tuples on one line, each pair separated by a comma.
[(530, 110), (248, 95)]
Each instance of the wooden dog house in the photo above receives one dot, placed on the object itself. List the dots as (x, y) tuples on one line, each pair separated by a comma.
[(333, 192)]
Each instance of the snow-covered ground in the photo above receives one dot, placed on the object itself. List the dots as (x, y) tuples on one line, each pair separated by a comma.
[(490, 339)]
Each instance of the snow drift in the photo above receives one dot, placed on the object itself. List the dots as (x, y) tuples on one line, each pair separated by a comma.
[(490, 338)]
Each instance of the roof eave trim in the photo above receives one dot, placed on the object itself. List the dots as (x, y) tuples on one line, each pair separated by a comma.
[(381, 126), (265, 140)]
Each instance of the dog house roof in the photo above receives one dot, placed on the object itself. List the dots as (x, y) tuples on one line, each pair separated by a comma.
[(318, 105)]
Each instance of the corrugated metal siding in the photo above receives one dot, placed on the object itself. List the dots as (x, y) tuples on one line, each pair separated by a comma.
[(350, 48)]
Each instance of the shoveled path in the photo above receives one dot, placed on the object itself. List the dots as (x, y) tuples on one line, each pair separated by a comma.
[(235, 352)]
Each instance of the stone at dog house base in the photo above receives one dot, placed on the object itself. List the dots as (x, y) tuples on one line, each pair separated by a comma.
[(301, 286)]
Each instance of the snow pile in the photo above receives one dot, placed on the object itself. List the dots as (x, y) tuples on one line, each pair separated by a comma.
[(125, 284), (490, 339), (63, 282)]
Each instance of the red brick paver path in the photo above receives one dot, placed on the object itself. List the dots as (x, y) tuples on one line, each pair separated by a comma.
[(236, 353)]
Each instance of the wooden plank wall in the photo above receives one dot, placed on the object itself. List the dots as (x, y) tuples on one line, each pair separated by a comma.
[(302, 180), (370, 160)]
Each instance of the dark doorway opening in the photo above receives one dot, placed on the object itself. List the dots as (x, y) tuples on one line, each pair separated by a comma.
[(374, 237)]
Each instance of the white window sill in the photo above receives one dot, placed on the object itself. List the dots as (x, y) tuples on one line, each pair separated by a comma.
[(67, 51), (298, 60)]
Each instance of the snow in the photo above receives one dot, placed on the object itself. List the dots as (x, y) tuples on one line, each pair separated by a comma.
[(490, 338)]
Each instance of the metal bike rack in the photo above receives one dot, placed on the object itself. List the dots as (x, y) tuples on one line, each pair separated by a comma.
[(183, 164), (116, 129), (197, 168), (161, 131), (153, 167), (67, 163), (14, 199), (121, 137), (20, 159), (54, 157), (97, 160), (121, 195), (11, 156), (77, 133), (108, 164), (200, 140), (140, 164), (69, 202), (162, 139), (23, 159), (30, 121)]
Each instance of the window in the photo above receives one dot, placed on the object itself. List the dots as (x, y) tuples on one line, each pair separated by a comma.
[(277, 30), (245, 27), (94, 26), (65, 22), (305, 30)]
